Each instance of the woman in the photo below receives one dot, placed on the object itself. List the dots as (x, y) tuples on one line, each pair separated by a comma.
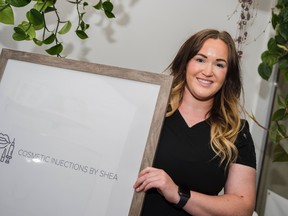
[(204, 146)]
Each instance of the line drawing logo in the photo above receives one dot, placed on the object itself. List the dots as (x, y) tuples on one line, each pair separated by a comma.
[(7, 148)]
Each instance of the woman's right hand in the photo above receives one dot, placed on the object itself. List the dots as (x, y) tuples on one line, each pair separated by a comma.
[(151, 177)]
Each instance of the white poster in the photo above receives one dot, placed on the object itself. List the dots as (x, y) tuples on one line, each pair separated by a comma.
[(71, 143)]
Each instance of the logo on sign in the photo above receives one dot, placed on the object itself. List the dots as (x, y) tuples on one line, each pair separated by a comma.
[(6, 148)]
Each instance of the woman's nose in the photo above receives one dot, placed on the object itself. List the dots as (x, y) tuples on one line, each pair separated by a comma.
[(208, 70)]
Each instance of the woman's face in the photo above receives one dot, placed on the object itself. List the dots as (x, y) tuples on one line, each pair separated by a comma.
[(206, 71)]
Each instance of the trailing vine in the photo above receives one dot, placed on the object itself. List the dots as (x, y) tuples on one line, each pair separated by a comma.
[(247, 14), (35, 26), (275, 54)]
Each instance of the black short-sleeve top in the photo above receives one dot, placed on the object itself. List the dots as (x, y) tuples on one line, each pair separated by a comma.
[(185, 154)]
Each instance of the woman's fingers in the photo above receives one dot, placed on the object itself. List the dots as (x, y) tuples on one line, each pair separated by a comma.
[(147, 179), (157, 178)]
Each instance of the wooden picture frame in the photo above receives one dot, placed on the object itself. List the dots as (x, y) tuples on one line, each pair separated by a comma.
[(34, 107)]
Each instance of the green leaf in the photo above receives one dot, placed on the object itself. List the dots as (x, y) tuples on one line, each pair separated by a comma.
[(281, 3), (283, 67), (273, 46), (280, 40), (19, 34), (280, 101), (18, 3), (274, 20), (107, 6), (37, 42), (6, 15), (264, 71), (29, 30), (98, 6), (284, 14), (66, 28), (44, 7), (109, 14), (278, 114), (38, 27), (19, 30), (50, 39), (55, 50), (84, 26), (283, 30), (85, 4), (279, 154), (277, 132), (35, 17), (49, 9), (270, 57), (40, 6), (273, 133), (282, 130), (31, 33), (81, 34)]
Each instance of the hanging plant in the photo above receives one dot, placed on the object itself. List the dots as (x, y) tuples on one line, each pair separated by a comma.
[(247, 13), (277, 54), (35, 26)]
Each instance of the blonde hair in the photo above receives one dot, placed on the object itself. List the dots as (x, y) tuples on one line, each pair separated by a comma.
[(224, 117)]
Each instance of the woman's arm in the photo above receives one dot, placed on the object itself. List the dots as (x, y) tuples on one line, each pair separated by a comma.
[(238, 198)]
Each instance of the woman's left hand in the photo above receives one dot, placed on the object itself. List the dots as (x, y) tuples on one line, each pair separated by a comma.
[(151, 177)]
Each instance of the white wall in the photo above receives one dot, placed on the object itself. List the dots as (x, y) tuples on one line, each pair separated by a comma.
[(147, 34)]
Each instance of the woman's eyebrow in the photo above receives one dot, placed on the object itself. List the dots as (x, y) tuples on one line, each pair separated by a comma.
[(204, 56), (222, 60)]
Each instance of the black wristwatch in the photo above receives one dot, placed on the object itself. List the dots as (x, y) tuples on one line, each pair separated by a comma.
[(184, 194)]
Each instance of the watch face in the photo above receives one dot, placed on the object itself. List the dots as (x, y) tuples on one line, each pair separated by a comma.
[(184, 192)]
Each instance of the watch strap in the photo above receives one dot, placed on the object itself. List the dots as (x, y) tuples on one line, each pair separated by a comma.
[(184, 194)]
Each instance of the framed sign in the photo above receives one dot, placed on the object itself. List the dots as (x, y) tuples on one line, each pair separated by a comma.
[(74, 135)]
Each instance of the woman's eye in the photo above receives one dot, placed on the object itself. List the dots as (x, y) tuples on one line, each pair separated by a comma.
[(221, 65), (199, 60)]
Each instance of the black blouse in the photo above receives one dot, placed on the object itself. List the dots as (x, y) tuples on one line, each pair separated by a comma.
[(185, 154)]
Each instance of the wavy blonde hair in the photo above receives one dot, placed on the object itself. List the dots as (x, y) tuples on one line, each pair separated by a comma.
[(224, 116)]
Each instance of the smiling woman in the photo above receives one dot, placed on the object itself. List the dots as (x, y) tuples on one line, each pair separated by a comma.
[(206, 71), (204, 145)]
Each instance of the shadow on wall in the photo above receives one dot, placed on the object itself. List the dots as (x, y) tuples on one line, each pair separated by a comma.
[(102, 22), (6, 39), (67, 11), (265, 5)]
